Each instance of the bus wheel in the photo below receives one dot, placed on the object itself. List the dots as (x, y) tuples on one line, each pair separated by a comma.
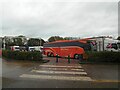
[(48, 54), (76, 56), (51, 54)]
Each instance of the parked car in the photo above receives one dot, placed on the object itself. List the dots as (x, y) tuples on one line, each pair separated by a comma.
[(35, 48), (15, 48)]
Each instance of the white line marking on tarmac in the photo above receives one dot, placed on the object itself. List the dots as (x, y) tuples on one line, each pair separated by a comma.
[(76, 78), (59, 72), (63, 69), (61, 66), (78, 69)]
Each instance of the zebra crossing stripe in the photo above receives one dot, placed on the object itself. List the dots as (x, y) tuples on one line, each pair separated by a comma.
[(59, 72), (78, 69), (77, 78), (63, 69), (61, 66)]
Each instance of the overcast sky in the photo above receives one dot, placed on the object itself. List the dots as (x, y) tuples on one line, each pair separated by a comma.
[(36, 18)]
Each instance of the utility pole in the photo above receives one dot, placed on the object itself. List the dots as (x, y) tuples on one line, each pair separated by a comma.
[(103, 42)]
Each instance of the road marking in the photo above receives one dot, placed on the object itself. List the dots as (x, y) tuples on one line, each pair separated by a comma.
[(65, 69), (60, 72), (76, 78), (78, 69), (115, 81), (61, 66)]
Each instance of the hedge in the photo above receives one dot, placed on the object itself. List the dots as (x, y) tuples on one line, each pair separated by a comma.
[(103, 56), (17, 55)]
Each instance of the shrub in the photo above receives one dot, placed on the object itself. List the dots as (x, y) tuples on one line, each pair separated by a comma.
[(17, 55), (103, 56)]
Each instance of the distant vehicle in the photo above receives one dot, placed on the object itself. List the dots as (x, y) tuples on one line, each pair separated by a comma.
[(31, 49), (35, 48), (15, 48), (112, 45), (75, 48), (115, 47), (23, 48)]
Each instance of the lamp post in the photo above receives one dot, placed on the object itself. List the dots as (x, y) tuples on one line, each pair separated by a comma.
[(103, 42)]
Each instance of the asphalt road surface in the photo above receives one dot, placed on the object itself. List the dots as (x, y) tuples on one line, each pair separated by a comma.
[(33, 74)]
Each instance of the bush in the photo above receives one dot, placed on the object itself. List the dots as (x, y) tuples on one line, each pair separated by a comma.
[(103, 56), (17, 55)]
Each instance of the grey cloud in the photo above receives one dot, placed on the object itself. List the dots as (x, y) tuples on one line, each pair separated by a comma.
[(60, 18)]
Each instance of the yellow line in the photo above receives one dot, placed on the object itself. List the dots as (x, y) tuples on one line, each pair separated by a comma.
[(115, 81)]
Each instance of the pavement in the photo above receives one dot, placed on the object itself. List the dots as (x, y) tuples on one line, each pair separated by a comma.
[(24, 74)]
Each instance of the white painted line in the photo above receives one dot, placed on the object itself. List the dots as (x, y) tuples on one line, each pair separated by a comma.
[(63, 69), (78, 69), (76, 78), (59, 72), (61, 66)]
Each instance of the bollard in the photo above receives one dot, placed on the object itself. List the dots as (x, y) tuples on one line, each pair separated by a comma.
[(68, 58), (56, 58)]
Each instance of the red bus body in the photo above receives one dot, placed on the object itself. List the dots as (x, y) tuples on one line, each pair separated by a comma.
[(66, 47), (64, 51)]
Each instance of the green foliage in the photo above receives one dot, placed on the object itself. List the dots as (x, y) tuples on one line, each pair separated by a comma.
[(71, 38), (103, 56), (35, 42), (17, 55), (17, 41), (55, 38), (21, 36)]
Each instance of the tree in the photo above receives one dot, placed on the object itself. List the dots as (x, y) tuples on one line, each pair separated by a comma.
[(18, 41), (24, 39), (21, 36), (42, 42), (55, 38), (118, 38), (14, 41), (71, 38), (35, 42)]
